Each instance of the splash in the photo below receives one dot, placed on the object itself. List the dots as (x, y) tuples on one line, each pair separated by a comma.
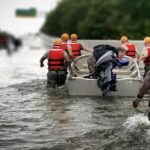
[(137, 121)]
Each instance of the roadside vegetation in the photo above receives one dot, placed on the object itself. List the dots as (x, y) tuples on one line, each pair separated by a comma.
[(99, 19)]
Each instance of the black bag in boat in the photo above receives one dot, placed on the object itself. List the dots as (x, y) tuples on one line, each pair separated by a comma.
[(106, 58), (100, 50)]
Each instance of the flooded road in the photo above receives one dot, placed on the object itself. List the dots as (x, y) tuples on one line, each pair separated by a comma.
[(35, 118)]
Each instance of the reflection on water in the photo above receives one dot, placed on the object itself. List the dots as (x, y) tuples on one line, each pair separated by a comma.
[(33, 117)]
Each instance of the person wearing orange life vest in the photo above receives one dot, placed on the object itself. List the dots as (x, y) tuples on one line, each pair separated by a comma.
[(57, 59), (145, 55), (77, 47), (130, 48), (66, 47), (64, 44)]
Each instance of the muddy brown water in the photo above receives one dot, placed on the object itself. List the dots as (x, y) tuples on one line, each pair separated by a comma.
[(35, 118)]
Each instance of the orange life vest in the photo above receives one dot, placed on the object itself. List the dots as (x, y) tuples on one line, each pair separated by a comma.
[(56, 59), (64, 46), (76, 49), (147, 59), (131, 50)]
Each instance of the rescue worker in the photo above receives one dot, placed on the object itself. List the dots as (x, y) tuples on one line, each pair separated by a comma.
[(57, 59), (145, 55), (76, 47), (122, 61), (64, 44), (121, 52), (130, 48), (143, 90), (67, 48)]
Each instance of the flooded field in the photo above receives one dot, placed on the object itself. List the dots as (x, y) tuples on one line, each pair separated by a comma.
[(35, 118)]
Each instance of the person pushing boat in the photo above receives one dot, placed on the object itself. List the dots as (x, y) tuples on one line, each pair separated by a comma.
[(57, 59)]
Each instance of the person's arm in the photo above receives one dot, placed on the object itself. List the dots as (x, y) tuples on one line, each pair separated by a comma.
[(85, 48), (137, 53), (42, 59), (69, 64), (143, 54), (66, 57), (69, 50), (140, 58)]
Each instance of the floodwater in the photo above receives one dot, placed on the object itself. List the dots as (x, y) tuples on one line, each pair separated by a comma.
[(35, 118)]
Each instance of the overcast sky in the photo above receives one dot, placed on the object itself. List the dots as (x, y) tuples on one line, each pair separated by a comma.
[(19, 25)]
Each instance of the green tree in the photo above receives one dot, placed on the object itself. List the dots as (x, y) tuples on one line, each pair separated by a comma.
[(99, 19), (66, 17)]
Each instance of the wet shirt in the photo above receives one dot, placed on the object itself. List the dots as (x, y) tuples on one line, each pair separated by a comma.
[(144, 52)]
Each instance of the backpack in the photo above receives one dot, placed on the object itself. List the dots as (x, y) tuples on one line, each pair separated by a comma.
[(100, 50)]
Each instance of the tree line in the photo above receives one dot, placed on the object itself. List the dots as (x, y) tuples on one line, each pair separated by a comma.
[(100, 19)]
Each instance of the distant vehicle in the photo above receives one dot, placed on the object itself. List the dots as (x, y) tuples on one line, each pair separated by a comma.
[(9, 42), (21, 12)]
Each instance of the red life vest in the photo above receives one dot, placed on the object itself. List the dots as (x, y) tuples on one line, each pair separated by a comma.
[(56, 59), (76, 49), (147, 59), (131, 50), (4, 39), (64, 46)]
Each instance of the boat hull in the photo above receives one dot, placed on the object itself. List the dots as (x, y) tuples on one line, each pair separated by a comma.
[(88, 87)]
